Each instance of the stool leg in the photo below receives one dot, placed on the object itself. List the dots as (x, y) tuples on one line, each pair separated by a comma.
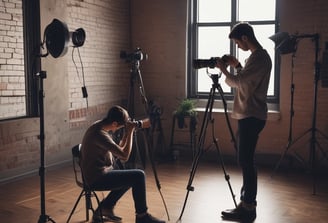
[(88, 204), (75, 205)]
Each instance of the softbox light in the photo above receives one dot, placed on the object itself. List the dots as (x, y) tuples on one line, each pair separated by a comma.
[(58, 38), (284, 42)]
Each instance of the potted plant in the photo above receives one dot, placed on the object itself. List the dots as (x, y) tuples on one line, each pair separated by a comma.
[(186, 108)]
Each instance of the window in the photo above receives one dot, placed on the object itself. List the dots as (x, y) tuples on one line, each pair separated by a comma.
[(20, 37), (210, 24), (12, 78)]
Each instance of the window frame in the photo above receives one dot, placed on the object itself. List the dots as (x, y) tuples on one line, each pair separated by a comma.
[(32, 44), (32, 58), (192, 51)]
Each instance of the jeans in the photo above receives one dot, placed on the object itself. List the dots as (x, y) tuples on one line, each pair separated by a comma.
[(248, 130), (119, 182)]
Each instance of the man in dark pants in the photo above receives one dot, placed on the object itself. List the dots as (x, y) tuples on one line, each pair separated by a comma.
[(250, 109)]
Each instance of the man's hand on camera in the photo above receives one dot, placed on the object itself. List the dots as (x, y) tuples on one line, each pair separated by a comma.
[(230, 60), (221, 64), (130, 126)]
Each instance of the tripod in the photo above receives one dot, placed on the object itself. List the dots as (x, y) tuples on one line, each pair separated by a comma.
[(148, 134), (313, 130), (206, 120), (43, 217)]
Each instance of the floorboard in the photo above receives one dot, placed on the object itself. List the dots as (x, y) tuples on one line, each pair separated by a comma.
[(287, 197)]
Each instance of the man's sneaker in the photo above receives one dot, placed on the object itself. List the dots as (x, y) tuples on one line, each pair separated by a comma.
[(241, 212), (107, 215), (148, 219)]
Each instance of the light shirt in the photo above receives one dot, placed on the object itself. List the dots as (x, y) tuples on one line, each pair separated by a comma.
[(251, 84)]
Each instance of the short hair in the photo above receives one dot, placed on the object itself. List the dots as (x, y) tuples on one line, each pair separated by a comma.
[(242, 29), (117, 114)]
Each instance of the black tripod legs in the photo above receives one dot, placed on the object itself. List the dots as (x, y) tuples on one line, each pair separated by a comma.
[(193, 172), (149, 148), (45, 218), (201, 140), (310, 165), (226, 176), (191, 178)]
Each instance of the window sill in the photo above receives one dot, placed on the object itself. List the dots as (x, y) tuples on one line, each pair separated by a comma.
[(273, 112)]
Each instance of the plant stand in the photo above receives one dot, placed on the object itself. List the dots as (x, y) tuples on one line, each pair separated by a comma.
[(192, 134)]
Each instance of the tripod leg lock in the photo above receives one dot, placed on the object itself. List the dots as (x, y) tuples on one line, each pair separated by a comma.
[(190, 188), (227, 177)]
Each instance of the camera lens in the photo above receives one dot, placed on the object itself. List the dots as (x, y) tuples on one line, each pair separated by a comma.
[(201, 63)]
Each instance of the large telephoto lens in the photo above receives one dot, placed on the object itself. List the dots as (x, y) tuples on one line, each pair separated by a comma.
[(201, 63)]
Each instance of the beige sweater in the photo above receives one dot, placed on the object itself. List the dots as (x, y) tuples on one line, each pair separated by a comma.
[(251, 85)]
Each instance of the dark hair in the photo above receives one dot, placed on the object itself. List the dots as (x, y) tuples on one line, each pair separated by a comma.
[(242, 29), (117, 114)]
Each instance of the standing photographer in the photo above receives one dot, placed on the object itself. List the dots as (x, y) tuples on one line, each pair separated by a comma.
[(250, 109), (98, 165)]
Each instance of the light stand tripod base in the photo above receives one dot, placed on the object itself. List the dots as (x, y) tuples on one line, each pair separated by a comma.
[(45, 218), (313, 130)]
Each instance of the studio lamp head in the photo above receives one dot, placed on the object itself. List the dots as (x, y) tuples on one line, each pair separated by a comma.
[(58, 38), (285, 43)]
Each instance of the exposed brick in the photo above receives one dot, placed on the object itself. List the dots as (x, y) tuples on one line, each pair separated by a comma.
[(11, 59)]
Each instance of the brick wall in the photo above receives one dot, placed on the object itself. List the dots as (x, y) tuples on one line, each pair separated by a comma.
[(12, 81), (106, 24), (67, 115)]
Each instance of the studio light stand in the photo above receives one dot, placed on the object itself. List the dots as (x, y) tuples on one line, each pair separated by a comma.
[(291, 116), (43, 217), (288, 44), (154, 116), (202, 136), (56, 38)]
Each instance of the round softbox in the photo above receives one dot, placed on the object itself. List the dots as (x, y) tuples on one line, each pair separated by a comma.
[(57, 38)]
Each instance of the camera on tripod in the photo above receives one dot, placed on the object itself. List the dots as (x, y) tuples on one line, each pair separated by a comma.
[(136, 55), (211, 63), (142, 123)]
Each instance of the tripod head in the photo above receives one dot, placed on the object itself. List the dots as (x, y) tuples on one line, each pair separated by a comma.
[(212, 74), (215, 78)]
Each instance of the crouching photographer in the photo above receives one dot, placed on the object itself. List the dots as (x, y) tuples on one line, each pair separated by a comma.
[(99, 169)]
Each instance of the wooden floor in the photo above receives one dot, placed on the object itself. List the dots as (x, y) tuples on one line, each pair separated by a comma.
[(285, 198)]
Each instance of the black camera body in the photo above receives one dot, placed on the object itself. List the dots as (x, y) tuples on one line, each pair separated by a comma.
[(142, 123), (211, 63), (136, 55), (138, 124)]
